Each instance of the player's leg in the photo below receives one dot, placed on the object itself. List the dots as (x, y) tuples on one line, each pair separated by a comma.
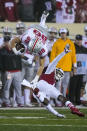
[(43, 99), (6, 101), (73, 109), (17, 85)]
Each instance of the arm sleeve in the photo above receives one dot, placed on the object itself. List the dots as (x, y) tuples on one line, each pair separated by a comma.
[(53, 64)]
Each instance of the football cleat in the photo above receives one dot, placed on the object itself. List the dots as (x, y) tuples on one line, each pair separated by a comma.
[(6, 105), (76, 111)]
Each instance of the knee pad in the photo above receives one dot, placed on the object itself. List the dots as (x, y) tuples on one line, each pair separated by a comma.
[(45, 102), (62, 99), (42, 97)]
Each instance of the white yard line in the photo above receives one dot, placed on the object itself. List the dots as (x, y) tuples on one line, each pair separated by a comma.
[(30, 117), (20, 117), (42, 125), (38, 108)]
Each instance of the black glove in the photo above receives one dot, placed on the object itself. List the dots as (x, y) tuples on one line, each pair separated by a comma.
[(20, 47)]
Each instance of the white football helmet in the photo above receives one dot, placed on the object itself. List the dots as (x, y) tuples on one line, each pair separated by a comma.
[(20, 25), (52, 33), (7, 33), (35, 45), (7, 30), (20, 28), (59, 74), (53, 29)]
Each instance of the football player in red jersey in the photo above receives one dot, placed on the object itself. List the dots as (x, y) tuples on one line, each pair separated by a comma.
[(45, 89)]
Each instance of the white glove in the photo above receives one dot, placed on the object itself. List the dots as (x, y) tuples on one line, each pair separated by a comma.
[(35, 80), (61, 116), (28, 84)]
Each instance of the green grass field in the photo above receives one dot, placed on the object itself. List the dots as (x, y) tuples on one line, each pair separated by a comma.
[(37, 119)]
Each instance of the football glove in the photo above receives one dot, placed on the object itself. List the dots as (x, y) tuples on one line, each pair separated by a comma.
[(61, 116), (34, 81)]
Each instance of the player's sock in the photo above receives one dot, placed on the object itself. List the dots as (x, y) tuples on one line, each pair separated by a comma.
[(27, 96), (73, 109), (52, 110), (69, 104)]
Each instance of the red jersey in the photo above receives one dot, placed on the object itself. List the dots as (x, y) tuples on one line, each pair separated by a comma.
[(49, 78)]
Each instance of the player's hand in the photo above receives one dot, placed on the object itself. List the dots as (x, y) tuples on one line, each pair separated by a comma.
[(46, 13), (61, 116), (35, 80), (20, 47), (67, 48)]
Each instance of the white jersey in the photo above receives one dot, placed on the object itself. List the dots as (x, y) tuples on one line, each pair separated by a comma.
[(84, 42), (36, 31), (47, 91)]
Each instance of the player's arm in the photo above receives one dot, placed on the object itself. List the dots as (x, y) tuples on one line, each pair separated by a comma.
[(15, 41), (53, 64), (74, 58), (40, 69)]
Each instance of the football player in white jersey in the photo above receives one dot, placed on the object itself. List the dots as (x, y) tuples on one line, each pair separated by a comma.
[(45, 89), (27, 70), (35, 39)]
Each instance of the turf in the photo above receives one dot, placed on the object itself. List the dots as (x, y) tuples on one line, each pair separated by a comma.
[(40, 120)]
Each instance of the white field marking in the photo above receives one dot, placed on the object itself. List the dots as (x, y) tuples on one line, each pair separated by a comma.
[(42, 125), (23, 117), (64, 119), (20, 117), (39, 108)]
